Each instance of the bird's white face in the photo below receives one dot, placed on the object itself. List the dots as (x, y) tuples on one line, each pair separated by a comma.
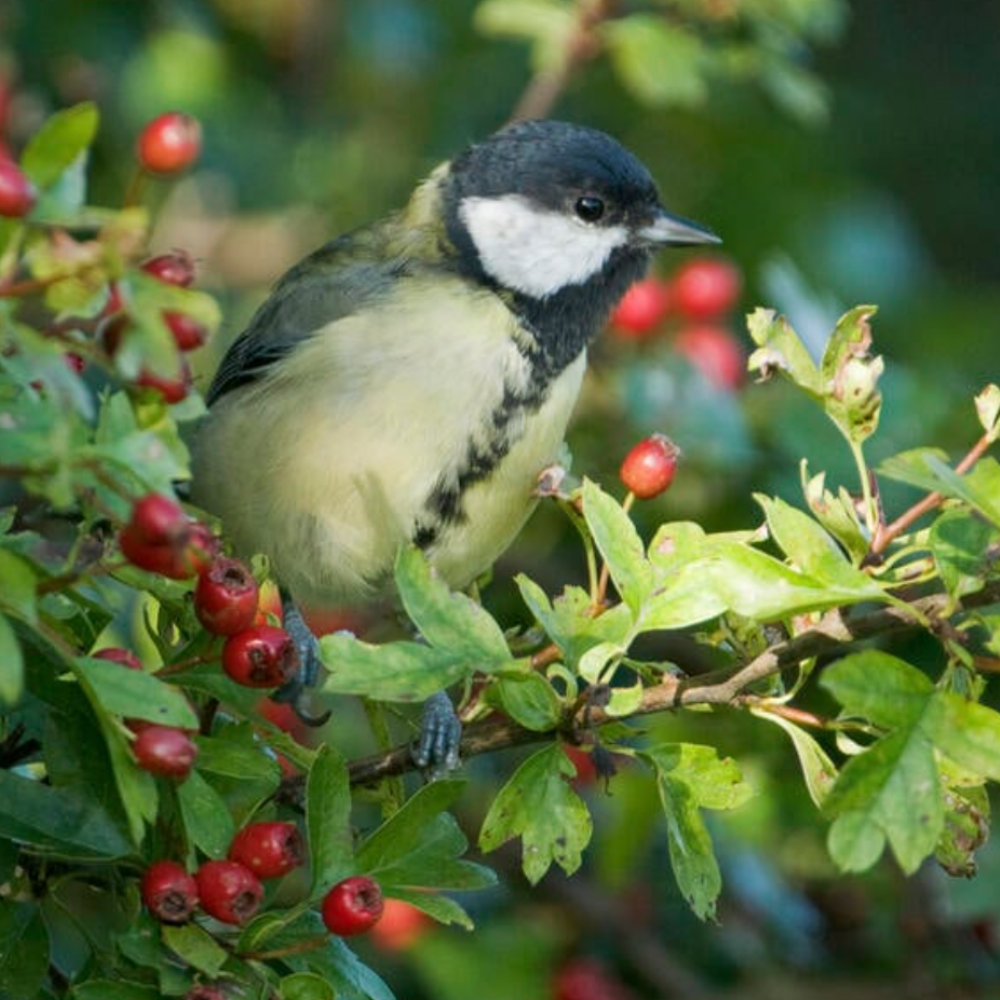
[(534, 250)]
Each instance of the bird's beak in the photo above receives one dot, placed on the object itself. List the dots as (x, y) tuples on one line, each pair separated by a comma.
[(671, 230)]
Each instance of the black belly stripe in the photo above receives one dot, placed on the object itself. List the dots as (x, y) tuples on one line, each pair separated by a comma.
[(445, 506)]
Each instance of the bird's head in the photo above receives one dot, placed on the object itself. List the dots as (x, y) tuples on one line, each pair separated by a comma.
[(544, 206)]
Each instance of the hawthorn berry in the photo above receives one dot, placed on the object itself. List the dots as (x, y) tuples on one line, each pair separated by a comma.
[(262, 656), (586, 979), (643, 307), (228, 891), (160, 538), (353, 906), (173, 388), (715, 351), (117, 655), (188, 333), (269, 850), (648, 469), (17, 193), (164, 751), (400, 926), (225, 598), (707, 287), (169, 143), (173, 268), (203, 992), (169, 892)]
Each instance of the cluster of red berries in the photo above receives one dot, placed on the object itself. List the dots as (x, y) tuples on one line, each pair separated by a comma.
[(231, 889), (700, 296), (161, 538)]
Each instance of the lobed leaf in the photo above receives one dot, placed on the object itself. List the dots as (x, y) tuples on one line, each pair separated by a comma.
[(328, 819)]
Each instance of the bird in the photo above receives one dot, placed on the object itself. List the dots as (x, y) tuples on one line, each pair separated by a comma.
[(406, 383)]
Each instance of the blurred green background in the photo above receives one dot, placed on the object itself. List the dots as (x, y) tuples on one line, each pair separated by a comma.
[(846, 152)]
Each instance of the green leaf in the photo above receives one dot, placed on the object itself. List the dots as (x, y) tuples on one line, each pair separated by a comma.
[(809, 547), (305, 986), (959, 543), (17, 586), (55, 147), (328, 819), (691, 777), (966, 829), (569, 621), (134, 694), (277, 928), (880, 687), (24, 950), (968, 733), (756, 585), (114, 989), (538, 805), (660, 61), (780, 349), (854, 842), (818, 770), (449, 621), (196, 947), (443, 909), (11, 665), (619, 543), (238, 756), (206, 816), (420, 845), (394, 671), (837, 514), (336, 964), (528, 698), (850, 376), (62, 821)]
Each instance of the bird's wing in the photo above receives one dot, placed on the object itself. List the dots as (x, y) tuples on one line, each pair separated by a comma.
[(337, 280)]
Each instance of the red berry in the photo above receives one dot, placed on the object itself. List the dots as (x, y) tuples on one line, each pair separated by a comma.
[(715, 351), (159, 520), (225, 599), (169, 143), (169, 892), (173, 388), (17, 193), (401, 925), (188, 333), (269, 850), (586, 770), (260, 657), (229, 892), (353, 906), (165, 751), (644, 306), (74, 362), (586, 979), (649, 467), (707, 287), (174, 268), (117, 655)]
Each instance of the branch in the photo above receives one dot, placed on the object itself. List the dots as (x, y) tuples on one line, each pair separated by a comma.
[(834, 633), (582, 44)]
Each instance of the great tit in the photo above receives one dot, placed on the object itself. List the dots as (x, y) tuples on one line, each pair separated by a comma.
[(406, 383)]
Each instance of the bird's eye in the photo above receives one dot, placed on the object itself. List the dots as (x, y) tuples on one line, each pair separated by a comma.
[(589, 208)]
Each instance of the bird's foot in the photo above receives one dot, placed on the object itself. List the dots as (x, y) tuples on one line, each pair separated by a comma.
[(436, 748), (297, 692)]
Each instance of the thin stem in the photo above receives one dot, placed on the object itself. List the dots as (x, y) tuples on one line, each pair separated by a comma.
[(885, 536), (864, 474)]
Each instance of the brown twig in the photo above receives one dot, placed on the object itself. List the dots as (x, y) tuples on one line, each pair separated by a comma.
[(884, 536), (837, 631), (546, 86)]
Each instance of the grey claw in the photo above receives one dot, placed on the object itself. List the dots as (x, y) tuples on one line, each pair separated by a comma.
[(296, 691), (440, 735)]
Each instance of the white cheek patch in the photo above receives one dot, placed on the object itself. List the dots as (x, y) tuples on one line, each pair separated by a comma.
[(534, 251)]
